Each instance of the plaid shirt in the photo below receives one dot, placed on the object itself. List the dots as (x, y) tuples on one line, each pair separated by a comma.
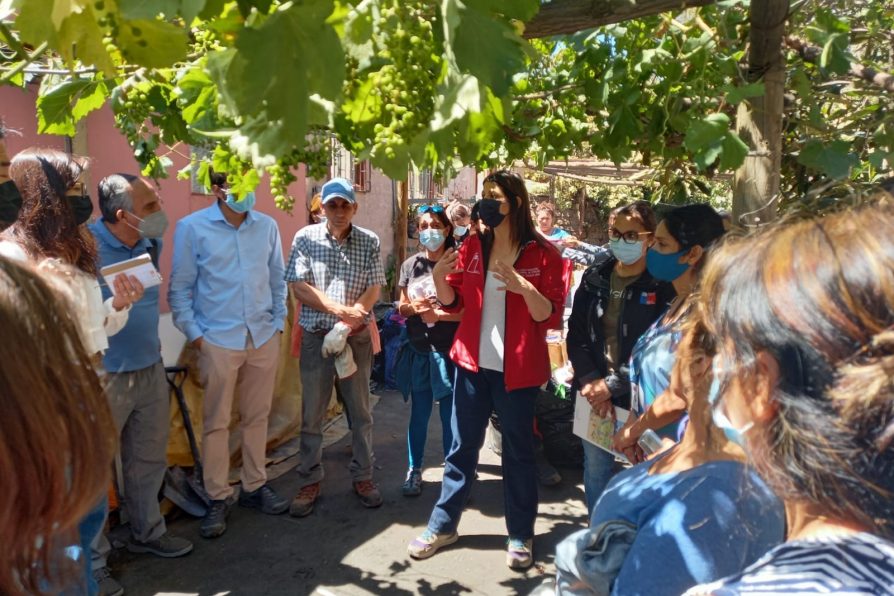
[(341, 271)]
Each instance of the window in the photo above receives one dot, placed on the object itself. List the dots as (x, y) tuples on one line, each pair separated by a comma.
[(342, 162), (362, 176)]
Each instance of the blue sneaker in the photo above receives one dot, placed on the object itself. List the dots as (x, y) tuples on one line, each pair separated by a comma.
[(519, 553)]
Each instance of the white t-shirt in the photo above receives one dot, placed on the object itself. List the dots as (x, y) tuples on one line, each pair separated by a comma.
[(493, 325)]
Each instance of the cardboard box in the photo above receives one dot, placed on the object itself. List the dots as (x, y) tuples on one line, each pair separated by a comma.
[(558, 354)]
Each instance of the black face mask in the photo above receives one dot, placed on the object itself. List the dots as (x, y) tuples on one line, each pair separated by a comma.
[(10, 204), (489, 212), (82, 207)]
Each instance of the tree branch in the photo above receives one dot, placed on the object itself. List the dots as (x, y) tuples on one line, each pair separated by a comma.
[(8, 75), (561, 17), (811, 53)]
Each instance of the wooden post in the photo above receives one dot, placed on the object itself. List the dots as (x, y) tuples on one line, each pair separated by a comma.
[(759, 120), (582, 212), (400, 230)]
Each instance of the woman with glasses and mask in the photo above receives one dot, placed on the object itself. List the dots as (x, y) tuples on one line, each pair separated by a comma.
[(508, 280), (679, 249), (617, 301), (803, 380), (424, 371)]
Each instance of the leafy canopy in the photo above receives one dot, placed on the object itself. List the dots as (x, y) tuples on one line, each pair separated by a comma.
[(264, 85)]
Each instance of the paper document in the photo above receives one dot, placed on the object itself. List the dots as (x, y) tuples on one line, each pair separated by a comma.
[(140, 267), (596, 430)]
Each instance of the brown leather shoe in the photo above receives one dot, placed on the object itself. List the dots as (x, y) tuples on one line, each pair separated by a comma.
[(368, 493), (303, 504)]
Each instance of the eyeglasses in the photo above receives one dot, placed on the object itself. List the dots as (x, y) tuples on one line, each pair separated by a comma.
[(630, 237), (432, 208)]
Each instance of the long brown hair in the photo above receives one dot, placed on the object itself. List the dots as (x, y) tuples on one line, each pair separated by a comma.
[(57, 439), (818, 296), (46, 227)]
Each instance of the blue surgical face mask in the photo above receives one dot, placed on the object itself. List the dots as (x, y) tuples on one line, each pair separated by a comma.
[(432, 239), (243, 206), (665, 267), (721, 420), (627, 253), (460, 231)]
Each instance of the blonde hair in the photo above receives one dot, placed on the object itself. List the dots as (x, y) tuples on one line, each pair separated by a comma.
[(57, 438)]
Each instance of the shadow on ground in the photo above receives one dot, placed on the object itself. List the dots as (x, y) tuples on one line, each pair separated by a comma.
[(343, 548)]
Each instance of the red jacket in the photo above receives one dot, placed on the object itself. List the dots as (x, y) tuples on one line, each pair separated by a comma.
[(525, 358)]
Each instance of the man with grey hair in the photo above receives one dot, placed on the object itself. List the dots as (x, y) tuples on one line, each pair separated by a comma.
[(132, 225)]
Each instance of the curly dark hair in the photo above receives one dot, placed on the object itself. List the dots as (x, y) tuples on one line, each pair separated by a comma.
[(46, 227)]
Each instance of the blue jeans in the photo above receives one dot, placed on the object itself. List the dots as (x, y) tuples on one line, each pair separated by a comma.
[(421, 405), (599, 467), (475, 396), (89, 528)]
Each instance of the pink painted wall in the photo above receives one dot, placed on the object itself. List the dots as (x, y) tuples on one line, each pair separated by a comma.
[(110, 153), (17, 111), (376, 212)]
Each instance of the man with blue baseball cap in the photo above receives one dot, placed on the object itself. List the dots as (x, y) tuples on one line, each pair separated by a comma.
[(335, 270)]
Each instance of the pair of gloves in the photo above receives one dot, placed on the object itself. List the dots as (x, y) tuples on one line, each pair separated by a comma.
[(335, 343)]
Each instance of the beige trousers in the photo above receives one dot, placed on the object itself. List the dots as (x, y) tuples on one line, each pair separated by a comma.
[(249, 375)]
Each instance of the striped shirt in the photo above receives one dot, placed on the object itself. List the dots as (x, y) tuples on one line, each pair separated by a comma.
[(853, 564), (341, 270)]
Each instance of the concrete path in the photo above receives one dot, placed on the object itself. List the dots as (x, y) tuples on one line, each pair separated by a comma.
[(343, 548)]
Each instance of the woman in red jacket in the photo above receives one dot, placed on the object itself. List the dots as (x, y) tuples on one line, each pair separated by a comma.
[(509, 281)]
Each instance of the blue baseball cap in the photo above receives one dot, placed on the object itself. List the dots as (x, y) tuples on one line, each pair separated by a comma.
[(337, 188)]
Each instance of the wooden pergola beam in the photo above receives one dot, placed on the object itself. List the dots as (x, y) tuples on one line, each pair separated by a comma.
[(563, 17)]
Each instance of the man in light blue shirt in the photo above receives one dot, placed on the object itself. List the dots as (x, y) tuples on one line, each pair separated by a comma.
[(228, 297), (131, 225)]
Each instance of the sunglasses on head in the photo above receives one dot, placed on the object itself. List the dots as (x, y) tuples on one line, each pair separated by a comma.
[(432, 208)]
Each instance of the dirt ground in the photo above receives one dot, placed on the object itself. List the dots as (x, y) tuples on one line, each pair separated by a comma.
[(343, 548)]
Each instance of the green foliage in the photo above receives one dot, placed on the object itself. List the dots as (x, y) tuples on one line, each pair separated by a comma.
[(264, 85)]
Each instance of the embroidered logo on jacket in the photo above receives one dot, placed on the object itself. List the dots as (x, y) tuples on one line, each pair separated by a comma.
[(529, 272), (474, 264), (648, 298)]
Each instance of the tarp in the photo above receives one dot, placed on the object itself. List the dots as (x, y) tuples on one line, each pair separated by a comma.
[(285, 414)]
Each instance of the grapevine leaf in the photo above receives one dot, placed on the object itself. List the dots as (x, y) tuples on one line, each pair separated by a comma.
[(148, 9), (62, 106), (33, 24), (277, 66), (54, 108), (154, 44), (736, 95), (484, 46), (706, 132), (835, 54), (91, 98), (734, 151), (190, 9), (834, 159)]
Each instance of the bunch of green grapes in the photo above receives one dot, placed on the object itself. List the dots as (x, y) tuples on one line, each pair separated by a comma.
[(314, 156), (132, 110), (402, 78), (281, 176)]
